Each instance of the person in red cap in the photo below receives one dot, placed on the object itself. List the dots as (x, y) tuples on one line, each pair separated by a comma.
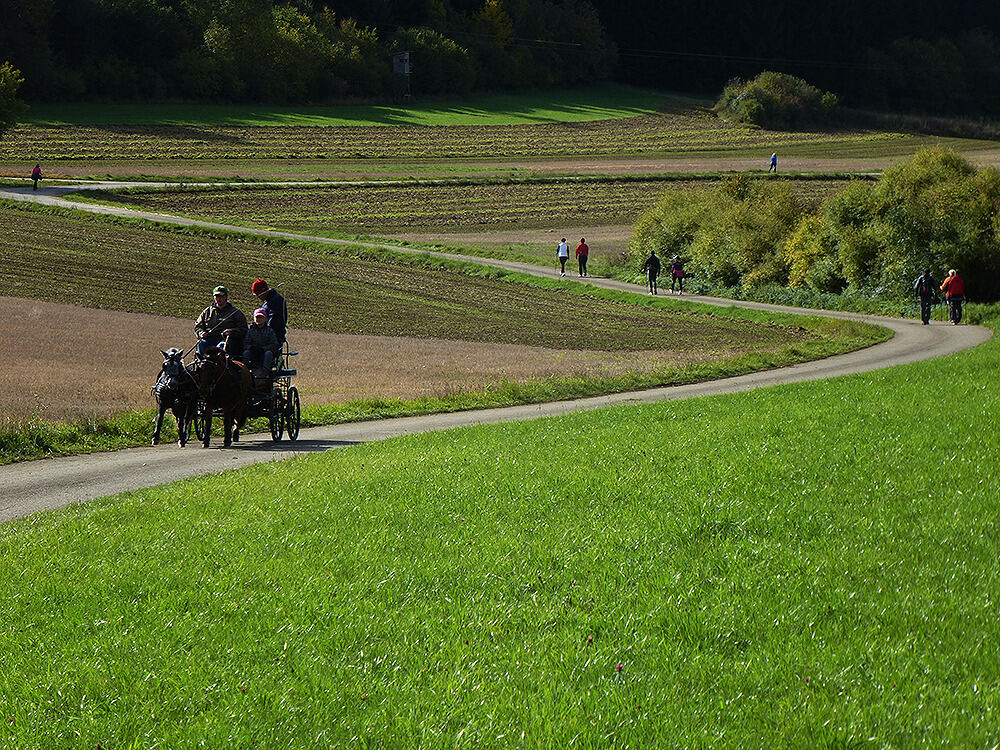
[(274, 304)]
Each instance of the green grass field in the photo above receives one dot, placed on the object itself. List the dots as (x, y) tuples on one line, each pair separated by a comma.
[(572, 105), (804, 566)]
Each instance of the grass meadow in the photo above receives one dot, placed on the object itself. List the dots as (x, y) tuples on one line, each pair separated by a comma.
[(568, 105), (810, 565)]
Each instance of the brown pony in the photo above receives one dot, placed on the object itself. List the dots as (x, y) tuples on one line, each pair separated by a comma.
[(225, 385)]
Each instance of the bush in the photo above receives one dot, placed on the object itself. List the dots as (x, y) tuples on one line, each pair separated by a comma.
[(731, 235), (776, 100), (439, 65), (11, 108), (935, 211)]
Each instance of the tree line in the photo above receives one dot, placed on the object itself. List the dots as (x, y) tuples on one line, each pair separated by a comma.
[(872, 238), (299, 51), (927, 58), (894, 54)]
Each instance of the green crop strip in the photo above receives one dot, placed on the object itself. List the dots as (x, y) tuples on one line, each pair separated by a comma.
[(685, 132)]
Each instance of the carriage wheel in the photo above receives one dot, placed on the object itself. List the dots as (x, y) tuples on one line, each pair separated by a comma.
[(293, 416), (276, 417), (200, 420)]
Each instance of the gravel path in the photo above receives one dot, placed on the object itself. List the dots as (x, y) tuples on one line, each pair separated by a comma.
[(52, 483)]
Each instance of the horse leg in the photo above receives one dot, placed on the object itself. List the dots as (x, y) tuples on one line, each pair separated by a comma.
[(160, 411), (208, 425), (227, 420), (237, 424), (181, 413)]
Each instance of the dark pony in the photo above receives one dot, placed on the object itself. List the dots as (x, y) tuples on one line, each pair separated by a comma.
[(224, 385), (176, 390)]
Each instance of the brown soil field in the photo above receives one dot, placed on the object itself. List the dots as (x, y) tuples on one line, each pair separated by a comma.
[(460, 207), (693, 162), (688, 130), (97, 263), (64, 362)]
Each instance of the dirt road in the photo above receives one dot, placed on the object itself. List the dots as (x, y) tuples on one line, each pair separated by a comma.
[(39, 485)]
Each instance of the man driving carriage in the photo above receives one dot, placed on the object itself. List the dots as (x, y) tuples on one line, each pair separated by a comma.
[(221, 324), (260, 345)]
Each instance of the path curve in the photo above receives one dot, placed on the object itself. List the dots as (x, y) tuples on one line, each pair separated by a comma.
[(33, 486)]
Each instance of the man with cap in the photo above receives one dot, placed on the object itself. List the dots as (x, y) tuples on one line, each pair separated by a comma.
[(260, 345), (274, 304), (221, 324)]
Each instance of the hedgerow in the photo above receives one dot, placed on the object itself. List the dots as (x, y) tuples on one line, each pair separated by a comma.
[(934, 211), (776, 100)]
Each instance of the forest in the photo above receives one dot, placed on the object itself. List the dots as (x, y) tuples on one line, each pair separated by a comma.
[(932, 58)]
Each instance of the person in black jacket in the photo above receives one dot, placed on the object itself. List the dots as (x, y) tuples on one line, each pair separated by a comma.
[(277, 309), (652, 269), (925, 287)]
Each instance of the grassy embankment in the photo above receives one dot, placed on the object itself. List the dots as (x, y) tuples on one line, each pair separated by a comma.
[(804, 566), (92, 261), (570, 105)]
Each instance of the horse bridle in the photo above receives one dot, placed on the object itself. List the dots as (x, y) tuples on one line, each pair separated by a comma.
[(221, 367)]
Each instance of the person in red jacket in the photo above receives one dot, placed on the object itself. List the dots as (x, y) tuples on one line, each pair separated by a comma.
[(582, 251), (954, 292), (36, 175)]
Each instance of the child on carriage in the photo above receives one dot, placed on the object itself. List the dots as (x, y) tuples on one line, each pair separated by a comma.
[(260, 346)]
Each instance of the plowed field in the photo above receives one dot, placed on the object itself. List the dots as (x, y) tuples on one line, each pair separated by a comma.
[(96, 263), (458, 207), (690, 130)]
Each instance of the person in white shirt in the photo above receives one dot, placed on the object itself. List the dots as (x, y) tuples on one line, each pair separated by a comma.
[(562, 252)]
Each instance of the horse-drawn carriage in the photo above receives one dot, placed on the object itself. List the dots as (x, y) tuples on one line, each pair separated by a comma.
[(217, 386)]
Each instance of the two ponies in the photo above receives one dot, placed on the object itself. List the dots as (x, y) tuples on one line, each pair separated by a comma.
[(220, 382)]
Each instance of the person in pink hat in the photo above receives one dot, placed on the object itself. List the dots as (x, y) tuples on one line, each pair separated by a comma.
[(260, 345)]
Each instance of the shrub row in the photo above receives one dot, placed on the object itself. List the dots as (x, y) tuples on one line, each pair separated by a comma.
[(871, 239)]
